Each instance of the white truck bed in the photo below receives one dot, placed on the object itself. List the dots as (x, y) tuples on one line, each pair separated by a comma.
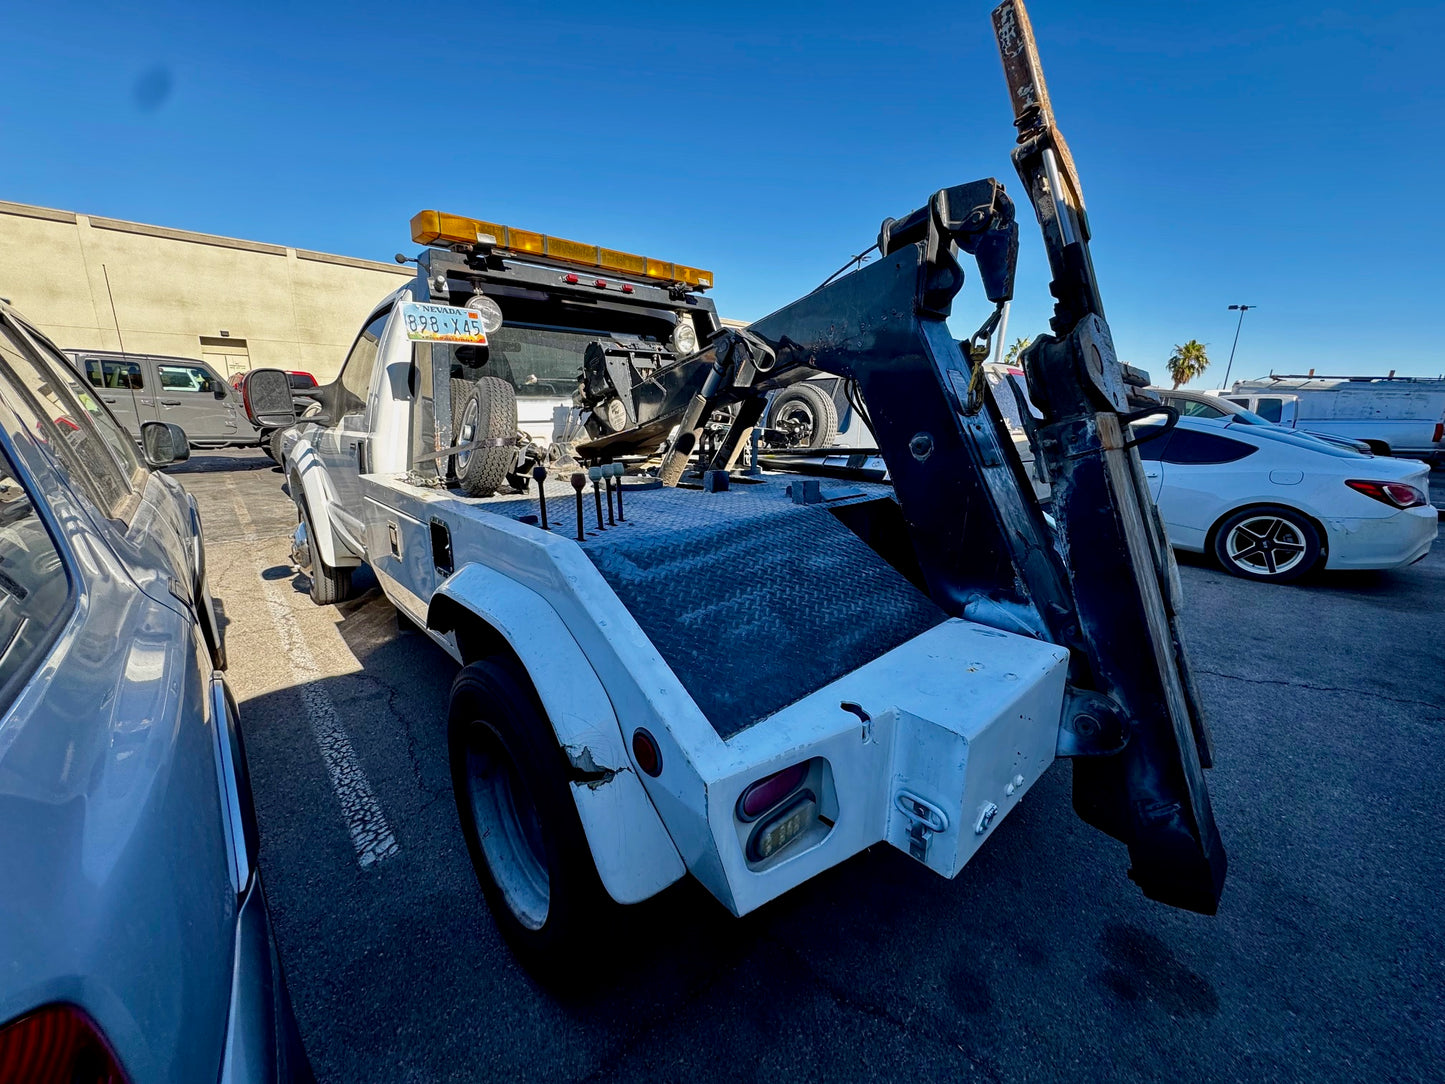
[(732, 626)]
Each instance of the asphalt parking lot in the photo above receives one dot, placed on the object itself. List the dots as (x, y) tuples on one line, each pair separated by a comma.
[(1040, 961)]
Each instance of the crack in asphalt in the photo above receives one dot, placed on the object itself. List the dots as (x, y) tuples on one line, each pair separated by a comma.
[(1294, 684)]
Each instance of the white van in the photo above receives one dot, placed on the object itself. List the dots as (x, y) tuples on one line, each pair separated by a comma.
[(1403, 416)]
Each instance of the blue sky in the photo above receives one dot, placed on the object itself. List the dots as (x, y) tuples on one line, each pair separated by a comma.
[(1284, 155)]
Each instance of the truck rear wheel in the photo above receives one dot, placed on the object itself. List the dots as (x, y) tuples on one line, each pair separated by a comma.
[(520, 821), (806, 414), (328, 585), (487, 414)]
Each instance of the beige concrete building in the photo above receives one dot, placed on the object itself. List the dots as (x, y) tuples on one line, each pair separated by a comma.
[(237, 304)]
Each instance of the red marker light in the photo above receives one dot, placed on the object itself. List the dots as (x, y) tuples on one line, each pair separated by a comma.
[(571, 280), (646, 752), (601, 284), (769, 791), (627, 288)]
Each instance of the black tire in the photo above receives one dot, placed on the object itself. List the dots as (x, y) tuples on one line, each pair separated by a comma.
[(487, 412), (807, 413), (264, 443), (328, 585), (274, 443), (520, 821), (1268, 542)]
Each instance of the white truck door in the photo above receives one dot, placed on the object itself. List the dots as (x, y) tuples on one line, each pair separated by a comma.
[(1270, 408), (342, 444)]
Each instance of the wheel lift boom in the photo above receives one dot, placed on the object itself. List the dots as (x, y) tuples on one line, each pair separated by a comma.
[(1102, 583)]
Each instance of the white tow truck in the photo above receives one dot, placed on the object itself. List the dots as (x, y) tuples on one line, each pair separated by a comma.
[(675, 663)]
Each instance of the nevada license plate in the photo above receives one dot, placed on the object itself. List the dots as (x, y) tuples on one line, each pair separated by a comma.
[(442, 324)]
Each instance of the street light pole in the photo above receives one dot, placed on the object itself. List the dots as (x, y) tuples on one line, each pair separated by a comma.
[(1242, 310)]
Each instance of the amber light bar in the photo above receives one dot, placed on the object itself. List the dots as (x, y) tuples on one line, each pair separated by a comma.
[(436, 227)]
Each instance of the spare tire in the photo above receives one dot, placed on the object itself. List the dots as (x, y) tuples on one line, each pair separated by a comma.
[(487, 417), (807, 414)]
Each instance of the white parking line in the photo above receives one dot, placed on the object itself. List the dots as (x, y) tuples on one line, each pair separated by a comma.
[(370, 834)]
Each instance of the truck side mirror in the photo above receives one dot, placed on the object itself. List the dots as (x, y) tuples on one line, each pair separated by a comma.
[(163, 444), (219, 391), (267, 395)]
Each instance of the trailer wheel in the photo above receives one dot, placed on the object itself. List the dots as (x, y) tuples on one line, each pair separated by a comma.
[(488, 412), (517, 814), (328, 585), (806, 414)]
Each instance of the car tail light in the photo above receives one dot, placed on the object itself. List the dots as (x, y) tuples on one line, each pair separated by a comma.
[(770, 790), (58, 1044), (1395, 494), (1439, 432)]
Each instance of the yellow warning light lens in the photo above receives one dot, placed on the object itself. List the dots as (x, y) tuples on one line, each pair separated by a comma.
[(438, 228), (693, 276), (612, 260), (526, 241), (431, 227), (572, 252)]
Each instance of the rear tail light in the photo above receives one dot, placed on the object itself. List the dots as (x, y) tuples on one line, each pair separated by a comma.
[(58, 1044), (1439, 432), (1395, 494), (769, 791), (777, 833)]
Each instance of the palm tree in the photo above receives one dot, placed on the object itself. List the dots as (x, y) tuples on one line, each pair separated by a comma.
[(1011, 356), (1187, 362)]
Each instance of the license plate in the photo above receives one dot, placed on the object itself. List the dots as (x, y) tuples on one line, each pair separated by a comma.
[(442, 324)]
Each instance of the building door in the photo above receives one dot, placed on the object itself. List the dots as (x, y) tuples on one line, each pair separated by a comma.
[(227, 356)]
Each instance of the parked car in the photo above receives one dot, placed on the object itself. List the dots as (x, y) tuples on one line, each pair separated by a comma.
[(140, 388), (1212, 406), (1271, 505), (134, 935), (1395, 415)]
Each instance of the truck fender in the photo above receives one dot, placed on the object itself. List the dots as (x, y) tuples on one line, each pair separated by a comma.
[(307, 479), (634, 855)]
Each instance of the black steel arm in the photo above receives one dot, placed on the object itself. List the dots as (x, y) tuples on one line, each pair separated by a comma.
[(1101, 584), (1152, 795)]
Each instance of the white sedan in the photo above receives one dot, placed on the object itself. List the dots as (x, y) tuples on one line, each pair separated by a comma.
[(1271, 505)]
